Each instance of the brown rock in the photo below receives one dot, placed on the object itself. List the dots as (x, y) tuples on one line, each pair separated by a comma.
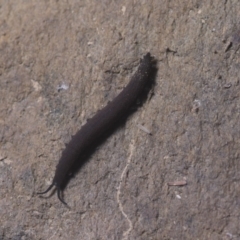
[(62, 61)]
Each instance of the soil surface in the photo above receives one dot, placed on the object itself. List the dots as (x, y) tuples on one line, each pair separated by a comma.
[(61, 61)]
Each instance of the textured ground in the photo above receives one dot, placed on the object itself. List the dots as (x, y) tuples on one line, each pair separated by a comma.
[(60, 61)]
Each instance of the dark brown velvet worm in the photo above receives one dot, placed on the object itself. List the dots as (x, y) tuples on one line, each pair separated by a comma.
[(104, 119)]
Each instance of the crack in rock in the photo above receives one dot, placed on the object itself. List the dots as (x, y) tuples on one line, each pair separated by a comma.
[(126, 233)]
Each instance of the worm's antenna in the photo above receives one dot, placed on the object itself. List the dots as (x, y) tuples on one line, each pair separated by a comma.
[(49, 188), (60, 197)]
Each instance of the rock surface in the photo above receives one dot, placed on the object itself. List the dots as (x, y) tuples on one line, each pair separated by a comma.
[(60, 61)]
